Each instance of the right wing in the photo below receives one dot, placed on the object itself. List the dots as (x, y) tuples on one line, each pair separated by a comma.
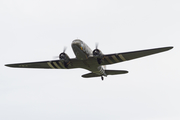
[(120, 57)]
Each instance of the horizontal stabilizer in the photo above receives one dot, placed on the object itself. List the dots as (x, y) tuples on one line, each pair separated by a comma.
[(90, 75), (108, 72), (115, 72)]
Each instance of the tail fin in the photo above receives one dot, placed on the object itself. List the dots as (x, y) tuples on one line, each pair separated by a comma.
[(108, 72)]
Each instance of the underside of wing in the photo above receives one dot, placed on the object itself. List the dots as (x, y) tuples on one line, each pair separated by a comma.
[(120, 57), (43, 64), (55, 64)]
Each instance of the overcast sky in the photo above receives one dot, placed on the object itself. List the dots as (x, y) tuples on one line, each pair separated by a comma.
[(38, 30)]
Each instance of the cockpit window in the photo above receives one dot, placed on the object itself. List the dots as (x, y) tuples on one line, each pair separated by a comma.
[(77, 40)]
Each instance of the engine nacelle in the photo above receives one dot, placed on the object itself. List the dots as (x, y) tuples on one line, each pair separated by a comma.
[(99, 55), (64, 58)]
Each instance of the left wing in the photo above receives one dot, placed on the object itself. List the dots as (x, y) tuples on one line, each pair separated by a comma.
[(55, 64), (120, 57)]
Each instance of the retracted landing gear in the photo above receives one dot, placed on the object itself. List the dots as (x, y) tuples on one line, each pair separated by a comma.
[(102, 78)]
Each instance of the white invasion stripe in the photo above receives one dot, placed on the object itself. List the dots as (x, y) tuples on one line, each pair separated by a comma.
[(114, 57), (49, 63), (108, 60), (56, 65), (61, 64), (120, 55)]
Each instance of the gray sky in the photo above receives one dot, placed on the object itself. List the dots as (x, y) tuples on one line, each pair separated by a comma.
[(38, 30)]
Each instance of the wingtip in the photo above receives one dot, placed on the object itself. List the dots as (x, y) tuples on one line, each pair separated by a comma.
[(171, 47), (7, 65), (10, 65), (168, 48)]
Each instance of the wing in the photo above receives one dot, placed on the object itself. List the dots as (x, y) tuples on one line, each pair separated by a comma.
[(55, 64), (120, 57)]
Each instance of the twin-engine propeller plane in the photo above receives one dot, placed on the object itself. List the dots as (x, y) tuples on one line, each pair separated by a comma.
[(93, 61)]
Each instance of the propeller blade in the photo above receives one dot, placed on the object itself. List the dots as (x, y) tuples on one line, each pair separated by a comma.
[(64, 50), (97, 45), (55, 57)]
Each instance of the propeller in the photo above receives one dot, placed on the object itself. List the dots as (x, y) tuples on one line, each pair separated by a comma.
[(96, 50), (63, 53), (64, 50)]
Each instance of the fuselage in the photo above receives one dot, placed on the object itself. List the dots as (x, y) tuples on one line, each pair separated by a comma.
[(81, 50)]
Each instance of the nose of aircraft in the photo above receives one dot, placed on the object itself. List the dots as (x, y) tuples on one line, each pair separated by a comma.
[(77, 43)]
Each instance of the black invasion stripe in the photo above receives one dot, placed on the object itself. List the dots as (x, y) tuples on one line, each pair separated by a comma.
[(112, 59), (59, 64), (119, 58), (106, 61), (53, 65)]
